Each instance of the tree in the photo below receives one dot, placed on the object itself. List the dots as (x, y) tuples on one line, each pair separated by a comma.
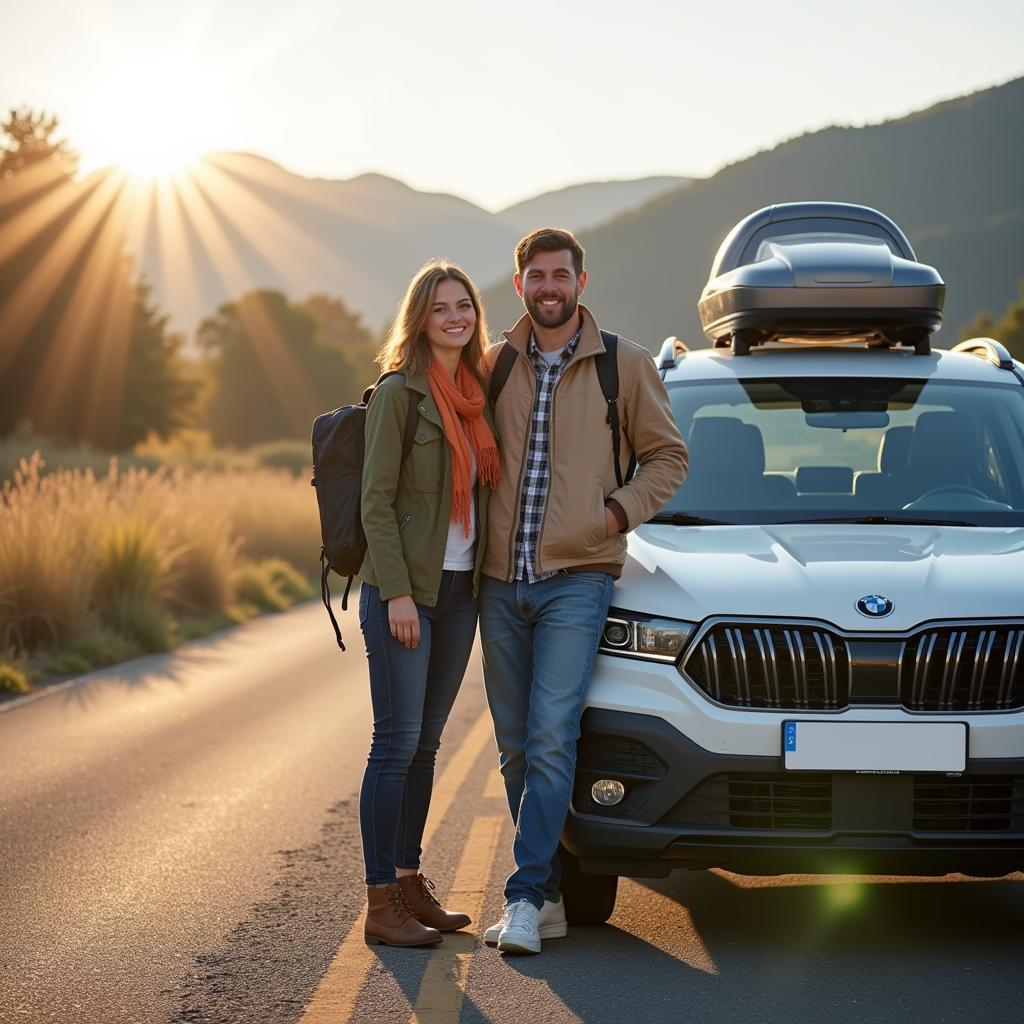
[(271, 375), (84, 353), (336, 325), (340, 329), (161, 390), (1009, 329), (27, 140)]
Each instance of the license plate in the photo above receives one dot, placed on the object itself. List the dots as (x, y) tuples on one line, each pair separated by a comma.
[(875, 746)]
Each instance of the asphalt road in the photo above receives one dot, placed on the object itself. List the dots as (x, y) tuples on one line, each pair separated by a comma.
[(179, 843)]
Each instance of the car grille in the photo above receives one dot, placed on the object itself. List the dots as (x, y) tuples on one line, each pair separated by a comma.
[(808, 802), (761, 801), (772, 666), (968, 668), (974, 803), (960, 667)]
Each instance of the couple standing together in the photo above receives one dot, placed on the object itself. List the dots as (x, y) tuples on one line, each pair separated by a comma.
[(518, 507)]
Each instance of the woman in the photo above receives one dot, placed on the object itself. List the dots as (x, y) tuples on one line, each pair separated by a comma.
[(424, 517)]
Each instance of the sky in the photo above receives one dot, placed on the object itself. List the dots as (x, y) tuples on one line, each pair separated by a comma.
[(491, 102)]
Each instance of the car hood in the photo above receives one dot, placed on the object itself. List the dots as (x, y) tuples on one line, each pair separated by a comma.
[(820, 572)]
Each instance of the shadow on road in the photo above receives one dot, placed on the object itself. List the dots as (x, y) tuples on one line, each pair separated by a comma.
[(715, 946)]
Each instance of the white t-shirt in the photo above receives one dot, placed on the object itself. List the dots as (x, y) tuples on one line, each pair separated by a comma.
[(459, 551), (551, 357)]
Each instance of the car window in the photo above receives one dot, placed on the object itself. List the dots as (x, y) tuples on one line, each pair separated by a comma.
[(778, 450)]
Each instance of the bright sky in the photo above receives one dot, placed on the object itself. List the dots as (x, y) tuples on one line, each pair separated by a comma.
[(491, 102)]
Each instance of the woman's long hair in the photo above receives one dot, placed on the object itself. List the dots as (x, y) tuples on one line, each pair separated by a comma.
[(406, 347)]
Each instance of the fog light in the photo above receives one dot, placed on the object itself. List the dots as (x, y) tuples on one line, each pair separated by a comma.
[(607, 792)]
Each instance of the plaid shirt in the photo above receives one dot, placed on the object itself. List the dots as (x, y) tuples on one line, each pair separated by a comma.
[(535, 482)]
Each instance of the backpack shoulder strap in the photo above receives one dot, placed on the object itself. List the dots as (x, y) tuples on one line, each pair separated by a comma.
[(502, 368), (411, 418), (607, 366)]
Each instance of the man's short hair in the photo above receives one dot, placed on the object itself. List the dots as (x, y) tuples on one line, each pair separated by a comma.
[(549, 240)]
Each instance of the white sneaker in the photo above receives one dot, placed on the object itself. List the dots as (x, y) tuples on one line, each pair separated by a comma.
[(520, 933), (550, 924)]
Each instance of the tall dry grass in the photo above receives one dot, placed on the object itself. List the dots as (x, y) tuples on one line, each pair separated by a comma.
[(131, 550)]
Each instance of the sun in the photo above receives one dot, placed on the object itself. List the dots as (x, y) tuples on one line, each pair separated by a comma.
[(153, 120)]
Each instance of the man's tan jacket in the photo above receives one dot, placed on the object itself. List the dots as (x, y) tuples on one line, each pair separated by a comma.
[(582, 477)]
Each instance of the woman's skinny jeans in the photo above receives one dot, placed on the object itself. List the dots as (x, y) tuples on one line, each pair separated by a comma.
[(412, 692)]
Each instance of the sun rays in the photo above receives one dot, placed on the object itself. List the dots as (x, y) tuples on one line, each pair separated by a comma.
[(78, 243)]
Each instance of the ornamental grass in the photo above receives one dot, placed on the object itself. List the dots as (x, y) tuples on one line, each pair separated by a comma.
[(117, 561)]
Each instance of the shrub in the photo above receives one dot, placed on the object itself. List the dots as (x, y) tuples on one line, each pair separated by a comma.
[(288, 580), (82, 457), (295, 456), (13, 679), (95, 646), (270, 585), (200, 577), (133, 560), (141, 623)]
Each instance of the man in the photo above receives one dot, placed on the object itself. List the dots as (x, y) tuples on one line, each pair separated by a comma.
[(556, 543)]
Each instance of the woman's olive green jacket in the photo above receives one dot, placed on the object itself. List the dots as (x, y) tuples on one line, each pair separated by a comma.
[(406, 506)]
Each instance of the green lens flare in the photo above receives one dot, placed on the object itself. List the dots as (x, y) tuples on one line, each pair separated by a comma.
[(844, 895)]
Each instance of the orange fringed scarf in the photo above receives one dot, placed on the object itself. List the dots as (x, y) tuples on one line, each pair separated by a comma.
[(461, 405)]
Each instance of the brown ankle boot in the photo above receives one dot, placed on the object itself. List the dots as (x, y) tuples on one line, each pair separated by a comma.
[(390, 921), (420, 899)]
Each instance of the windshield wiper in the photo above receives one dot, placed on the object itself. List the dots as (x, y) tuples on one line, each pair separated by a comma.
[(685, 519), (882, 520)]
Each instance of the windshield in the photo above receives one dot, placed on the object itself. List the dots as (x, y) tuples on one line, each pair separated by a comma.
[(820, 448)]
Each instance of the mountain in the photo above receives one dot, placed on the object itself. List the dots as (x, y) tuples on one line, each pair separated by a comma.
[(951, 176), (244, 222), (239, 221), (579, 207)]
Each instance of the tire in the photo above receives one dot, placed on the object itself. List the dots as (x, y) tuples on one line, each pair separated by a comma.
[(589, 899)]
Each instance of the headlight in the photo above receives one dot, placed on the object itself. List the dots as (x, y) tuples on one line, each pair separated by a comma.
[(638, 636)]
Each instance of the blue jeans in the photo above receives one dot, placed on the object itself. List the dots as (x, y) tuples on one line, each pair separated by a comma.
[(412, 692), (539, 642)]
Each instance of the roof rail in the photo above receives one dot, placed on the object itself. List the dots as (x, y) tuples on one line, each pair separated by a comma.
[(988, 349), (672, 349)]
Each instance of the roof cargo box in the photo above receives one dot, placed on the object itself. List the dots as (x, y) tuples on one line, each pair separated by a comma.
[(817, 271)]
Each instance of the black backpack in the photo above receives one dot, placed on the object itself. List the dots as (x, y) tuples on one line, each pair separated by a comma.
[(339, 448), (607, 367)]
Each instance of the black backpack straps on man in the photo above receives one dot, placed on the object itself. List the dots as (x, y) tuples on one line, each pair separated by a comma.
[(607, 366)]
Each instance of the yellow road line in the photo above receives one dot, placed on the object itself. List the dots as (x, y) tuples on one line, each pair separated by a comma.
[(495, 786), (443, 987), (336, 995), (454, 777)]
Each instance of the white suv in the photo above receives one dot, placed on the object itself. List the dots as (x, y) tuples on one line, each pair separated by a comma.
[(815, 655)]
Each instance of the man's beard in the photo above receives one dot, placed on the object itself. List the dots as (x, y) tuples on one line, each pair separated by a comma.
[(553, 317)]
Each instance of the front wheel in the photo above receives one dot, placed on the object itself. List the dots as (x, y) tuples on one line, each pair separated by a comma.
[(589, 899)]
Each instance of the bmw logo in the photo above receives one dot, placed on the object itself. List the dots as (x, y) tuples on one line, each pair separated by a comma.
[(875, 606)]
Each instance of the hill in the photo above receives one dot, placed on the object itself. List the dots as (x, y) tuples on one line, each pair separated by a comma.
[(951, 176), (241, 222), (579, 207)]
